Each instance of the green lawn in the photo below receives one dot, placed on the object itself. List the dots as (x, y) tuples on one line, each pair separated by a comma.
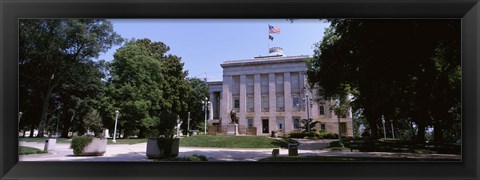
[(69, 140), (42, 140), (128, 141), (232, 141), (23, 150), (319, 158)]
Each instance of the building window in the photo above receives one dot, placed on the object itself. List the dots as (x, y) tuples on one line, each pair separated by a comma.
[(250, 122), (264, 83), (236, 103), (322, 127), (250, 84), (296, 123), (250, 104), (279, 83), (236, 85), (265, 103), (295, 82), (280, 103), (295, 101), (280, 123), (322, 109)]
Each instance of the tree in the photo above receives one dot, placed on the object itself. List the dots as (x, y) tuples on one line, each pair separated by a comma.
[(136, 86), (176, 93), (199, 90), (395, 68), (49, 50), (93, 122), (341, 107), (147, 87)]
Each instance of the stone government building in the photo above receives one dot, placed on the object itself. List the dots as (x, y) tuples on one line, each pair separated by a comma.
[(268, 93)]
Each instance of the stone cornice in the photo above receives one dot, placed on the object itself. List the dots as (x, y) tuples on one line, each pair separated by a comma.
[(267, 60)]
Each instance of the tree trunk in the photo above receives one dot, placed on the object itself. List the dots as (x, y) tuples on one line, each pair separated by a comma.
[(142, 133), (64, 133), (421, 134), (32, 130), (66, 126), (43, 116), (438, 132), (373, 127)]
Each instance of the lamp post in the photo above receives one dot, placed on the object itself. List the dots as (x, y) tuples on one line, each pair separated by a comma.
[(307, 100), (19, 116), (384, 131), (205, 103), (115, 128), (393, 132), (188, 125)]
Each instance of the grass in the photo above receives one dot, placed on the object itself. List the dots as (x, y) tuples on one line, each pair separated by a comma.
[(128, 141), (42, 140), (23, 150), (69, 140), (321, 158), (232, 141)]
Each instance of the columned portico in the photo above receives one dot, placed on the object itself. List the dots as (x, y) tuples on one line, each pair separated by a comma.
[(267, 93)]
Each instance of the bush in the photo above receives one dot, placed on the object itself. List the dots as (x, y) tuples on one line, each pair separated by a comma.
[(317, 135), (165, 146), (79, 143), (325, 135), (302, 135)]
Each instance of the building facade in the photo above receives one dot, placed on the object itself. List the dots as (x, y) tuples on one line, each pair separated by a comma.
[(270, 93)]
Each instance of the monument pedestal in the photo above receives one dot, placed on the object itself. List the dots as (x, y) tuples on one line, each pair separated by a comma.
[(232, 129)]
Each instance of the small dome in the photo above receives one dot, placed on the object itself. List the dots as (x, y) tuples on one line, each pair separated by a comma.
[(276, 51)]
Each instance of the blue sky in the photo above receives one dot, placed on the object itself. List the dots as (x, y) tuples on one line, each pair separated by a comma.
[(204, 44)]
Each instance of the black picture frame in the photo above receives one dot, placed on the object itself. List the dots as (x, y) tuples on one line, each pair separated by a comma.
[(12, 10)]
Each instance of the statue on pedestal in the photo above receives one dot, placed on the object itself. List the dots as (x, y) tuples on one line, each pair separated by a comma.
[(232, 128), (233, 117), (177, 127)]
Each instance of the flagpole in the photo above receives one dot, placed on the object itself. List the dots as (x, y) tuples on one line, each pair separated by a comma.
[(268, 47)]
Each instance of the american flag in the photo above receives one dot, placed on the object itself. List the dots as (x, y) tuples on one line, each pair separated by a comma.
[(273, 30)]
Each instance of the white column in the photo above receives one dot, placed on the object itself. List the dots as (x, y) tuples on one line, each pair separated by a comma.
[(287, 90), (226, 103), (243, 100), (303, 103), (257, 99), (272, 120), (210, 107)]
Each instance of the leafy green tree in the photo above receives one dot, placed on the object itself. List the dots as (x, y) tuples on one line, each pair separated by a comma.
[(93, 122), (49, 51), (148, 87), (176, 94), (136, 86), (395, 68), (199, 90)]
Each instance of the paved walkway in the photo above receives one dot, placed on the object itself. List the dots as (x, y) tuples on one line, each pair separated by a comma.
[(137, 152)]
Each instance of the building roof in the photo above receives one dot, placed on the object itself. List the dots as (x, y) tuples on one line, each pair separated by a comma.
[(264, 60), (215, 82)]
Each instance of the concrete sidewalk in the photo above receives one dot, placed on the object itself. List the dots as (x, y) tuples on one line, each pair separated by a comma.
[(137, 152)]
